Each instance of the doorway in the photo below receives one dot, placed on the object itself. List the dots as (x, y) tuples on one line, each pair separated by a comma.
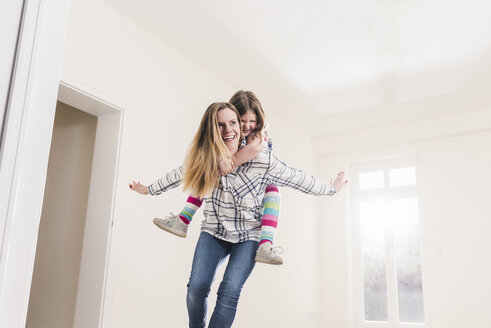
[(69, 281), (61, 230)]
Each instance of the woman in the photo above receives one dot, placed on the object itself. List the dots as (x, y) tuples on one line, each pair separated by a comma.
[(253, 124), (232, 209)]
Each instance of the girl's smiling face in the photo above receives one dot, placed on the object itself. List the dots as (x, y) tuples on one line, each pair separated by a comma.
[(248, 122)]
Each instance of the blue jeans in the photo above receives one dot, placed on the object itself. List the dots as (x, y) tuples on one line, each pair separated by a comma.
[(210, 253)]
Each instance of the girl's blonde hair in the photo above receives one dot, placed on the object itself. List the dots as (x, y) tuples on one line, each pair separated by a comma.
[(207, 149), (246, 101)]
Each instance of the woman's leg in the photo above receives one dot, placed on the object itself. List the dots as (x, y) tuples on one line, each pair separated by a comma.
[(271, 212), (239, 267), (209, 254)]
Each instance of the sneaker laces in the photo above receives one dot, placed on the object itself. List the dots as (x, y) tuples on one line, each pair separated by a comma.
[(171, 219), (276, 249), (171, 216)]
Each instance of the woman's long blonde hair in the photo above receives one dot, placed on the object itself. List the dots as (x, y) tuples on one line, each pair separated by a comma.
[(207, 149)]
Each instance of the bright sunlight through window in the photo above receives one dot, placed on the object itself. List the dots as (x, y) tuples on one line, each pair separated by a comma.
[(387, 243)]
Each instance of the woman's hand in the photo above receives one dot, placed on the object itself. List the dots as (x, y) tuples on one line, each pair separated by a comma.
[(139, 188), (339, 182), (226, 165)]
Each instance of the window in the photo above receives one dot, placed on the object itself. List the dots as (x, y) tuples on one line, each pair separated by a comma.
[(387, 261)]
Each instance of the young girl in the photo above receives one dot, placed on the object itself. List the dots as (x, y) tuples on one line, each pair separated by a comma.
[(253, 123)]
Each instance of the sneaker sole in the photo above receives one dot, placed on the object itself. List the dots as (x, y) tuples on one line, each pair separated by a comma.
[(259, 260), (169, 229)]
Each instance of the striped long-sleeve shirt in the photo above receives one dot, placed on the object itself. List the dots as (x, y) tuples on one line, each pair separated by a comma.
[(233, 209)]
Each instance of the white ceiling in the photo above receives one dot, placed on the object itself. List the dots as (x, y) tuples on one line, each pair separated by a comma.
[(335, 65)]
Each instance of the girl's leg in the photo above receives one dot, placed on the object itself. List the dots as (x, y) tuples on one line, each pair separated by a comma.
[(209, 254), (239, 267), (271, 213), (178, 224), (190, 207), (271, 205)]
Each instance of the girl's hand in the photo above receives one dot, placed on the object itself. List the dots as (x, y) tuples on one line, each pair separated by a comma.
[(226, 165), (255, 143), (339, 182), (139, 188)]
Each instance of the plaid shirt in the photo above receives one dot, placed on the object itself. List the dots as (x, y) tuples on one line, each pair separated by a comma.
[(233, 211)]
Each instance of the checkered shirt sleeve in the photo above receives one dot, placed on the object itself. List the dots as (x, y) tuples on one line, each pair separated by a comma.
[(169, 181), (282, 175)]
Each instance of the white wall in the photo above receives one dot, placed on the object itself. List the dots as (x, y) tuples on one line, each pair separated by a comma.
[(165, 95), (454, 191)]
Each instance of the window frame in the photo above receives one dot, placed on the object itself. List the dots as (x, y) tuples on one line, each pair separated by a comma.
[(390, 193)]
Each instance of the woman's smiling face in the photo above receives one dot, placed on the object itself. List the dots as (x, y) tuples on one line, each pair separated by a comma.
[(248, 122), (229, 129)]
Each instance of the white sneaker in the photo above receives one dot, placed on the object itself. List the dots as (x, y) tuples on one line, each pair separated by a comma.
[(268, 254), (172, 224)]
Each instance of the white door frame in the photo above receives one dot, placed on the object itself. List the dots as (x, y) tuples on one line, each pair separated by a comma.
[(10, 20), (92, 295), (24, 159), (25, 149)]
